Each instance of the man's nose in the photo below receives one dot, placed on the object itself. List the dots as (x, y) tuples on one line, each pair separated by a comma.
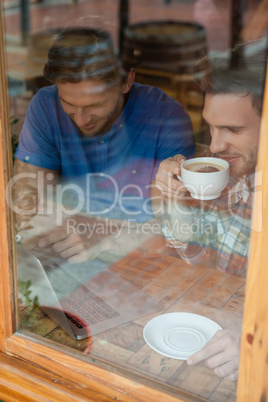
[(218, 142), (82, 117)]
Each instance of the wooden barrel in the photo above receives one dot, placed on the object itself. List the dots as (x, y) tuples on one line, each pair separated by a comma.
[(38, 47), (164, 45), (164, 54)]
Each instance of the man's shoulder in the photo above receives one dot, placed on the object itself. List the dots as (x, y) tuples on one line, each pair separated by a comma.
[(46, 99), (154, 92), (48, 92), (155, 99)]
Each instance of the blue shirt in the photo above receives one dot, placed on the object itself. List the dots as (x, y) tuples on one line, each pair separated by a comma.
[(114, 171)]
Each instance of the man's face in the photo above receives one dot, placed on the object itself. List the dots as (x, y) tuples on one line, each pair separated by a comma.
[(91, 106), (234, 129)]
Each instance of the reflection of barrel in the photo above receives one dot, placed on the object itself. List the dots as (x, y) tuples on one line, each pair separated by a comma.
[(38, 47), (164, 54)]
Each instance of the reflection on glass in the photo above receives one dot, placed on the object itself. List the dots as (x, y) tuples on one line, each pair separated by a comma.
[(115, 257)]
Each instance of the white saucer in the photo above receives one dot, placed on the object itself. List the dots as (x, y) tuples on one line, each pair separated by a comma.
[(179, 335)]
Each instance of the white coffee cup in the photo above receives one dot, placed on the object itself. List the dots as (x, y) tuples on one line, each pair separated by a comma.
[(204, 185)]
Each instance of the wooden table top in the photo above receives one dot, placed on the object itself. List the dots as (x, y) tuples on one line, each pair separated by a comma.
[(178, 287)]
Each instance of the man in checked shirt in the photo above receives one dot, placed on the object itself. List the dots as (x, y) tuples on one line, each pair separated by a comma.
[(218, 231)]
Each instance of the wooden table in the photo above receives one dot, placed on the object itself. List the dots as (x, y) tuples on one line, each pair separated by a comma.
[(179, 287)]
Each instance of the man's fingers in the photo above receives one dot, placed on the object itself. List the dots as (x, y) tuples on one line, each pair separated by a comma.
[(171, 165), (166, 180), (168, 191), (198, 357), (179, 158), (221, 354), (227, 369), (220, 359), (92, 252), (222, 364), (171, 187), (233, 376), (212, 348), (73, 250), (68, 242), (219, 334), (83, 256), (52, 238)]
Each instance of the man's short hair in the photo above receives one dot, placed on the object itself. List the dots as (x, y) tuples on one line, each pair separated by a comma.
[(81, 54), (234, 73)]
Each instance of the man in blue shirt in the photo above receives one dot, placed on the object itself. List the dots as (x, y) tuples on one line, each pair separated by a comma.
[(98, 135)]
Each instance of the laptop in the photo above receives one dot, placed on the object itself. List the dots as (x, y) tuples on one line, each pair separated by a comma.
[(82, 307)]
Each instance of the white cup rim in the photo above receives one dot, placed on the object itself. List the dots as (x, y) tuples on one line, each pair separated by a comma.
[(208, 159)]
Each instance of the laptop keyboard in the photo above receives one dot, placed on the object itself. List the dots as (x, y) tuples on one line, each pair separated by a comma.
[(92, 310), (80, 300)]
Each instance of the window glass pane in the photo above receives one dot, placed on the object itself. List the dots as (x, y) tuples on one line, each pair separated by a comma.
[(116, 257)]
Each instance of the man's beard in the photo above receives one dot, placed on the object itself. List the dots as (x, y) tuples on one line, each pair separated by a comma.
[(250, 162), (106, 122)]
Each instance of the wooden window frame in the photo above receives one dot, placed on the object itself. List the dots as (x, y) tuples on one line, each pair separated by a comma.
[(33, 368)]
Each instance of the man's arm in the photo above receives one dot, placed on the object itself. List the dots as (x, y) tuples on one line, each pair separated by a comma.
[(36, 217), (183, 216), (29, 191), (77, 237)]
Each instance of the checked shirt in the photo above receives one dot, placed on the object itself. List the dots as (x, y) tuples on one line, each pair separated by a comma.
[(219, 228)]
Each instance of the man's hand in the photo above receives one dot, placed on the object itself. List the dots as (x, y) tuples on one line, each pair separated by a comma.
[(221, 354), (74, 246), (166, 180)]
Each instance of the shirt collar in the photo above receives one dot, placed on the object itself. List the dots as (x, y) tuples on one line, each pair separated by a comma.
[(240, 189)]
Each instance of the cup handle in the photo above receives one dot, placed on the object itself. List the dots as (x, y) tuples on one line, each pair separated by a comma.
[(179, 177)]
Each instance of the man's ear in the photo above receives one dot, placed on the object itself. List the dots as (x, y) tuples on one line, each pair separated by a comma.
[(126, 87)]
